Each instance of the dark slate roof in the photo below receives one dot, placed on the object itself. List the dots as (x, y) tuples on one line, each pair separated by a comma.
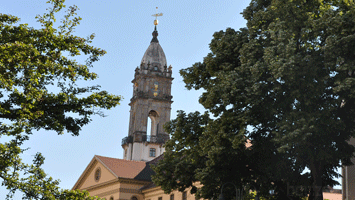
[(156, 160), (147, 172), (151, 185)]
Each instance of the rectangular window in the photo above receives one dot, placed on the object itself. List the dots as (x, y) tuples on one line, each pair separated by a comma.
[(160, 198), (172, 197), (152, 152), (184, 196)]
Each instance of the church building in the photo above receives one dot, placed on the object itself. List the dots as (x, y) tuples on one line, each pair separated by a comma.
[(130, 178)]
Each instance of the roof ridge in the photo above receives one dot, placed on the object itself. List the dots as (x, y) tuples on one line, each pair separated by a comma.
[(121, 159)]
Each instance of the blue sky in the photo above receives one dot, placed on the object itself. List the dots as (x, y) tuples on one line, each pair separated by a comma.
[(123, 29)]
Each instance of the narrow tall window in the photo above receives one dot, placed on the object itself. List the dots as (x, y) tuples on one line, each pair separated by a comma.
[(152, 152), (97, 174), (149, 127), (172, 197)]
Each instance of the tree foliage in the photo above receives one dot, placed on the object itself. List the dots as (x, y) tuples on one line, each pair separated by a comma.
[(286, 83), (39, 90)]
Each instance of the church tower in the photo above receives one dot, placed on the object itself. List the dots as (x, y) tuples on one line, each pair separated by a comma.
[(150, 105)]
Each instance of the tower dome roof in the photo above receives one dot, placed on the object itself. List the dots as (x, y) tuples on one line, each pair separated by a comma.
[(155, 55)]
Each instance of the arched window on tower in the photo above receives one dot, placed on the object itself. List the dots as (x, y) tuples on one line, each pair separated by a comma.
[(152, 124), (149, 126)]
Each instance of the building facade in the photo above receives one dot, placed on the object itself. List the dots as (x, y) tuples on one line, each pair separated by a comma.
[(120, 179)]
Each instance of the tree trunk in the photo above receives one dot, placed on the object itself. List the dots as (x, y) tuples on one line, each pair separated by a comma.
[(317, 183), (311, 193)]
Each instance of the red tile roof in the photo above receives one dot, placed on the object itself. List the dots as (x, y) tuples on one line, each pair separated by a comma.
[(122, 168)]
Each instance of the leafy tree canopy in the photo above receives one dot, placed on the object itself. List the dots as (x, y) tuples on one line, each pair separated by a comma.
[(39, 90), (286, 83)]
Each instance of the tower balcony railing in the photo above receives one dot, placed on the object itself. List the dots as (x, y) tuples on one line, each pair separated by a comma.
[(160, 139)]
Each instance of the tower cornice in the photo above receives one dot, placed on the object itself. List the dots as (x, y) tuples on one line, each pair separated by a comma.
[(135, 99)]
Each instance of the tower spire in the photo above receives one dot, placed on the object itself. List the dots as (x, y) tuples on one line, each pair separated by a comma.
[(155, 35), (155, 32)]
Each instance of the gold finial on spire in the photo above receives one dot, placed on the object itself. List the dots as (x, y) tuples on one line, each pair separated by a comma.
[(156, 15)]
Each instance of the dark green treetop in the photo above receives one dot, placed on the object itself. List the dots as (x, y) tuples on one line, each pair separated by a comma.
[(212, 150), (286, 83), (302, 58)]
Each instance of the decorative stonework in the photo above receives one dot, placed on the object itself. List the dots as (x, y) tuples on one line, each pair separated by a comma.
[(108, 193), (120, 190), (128, 190)]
